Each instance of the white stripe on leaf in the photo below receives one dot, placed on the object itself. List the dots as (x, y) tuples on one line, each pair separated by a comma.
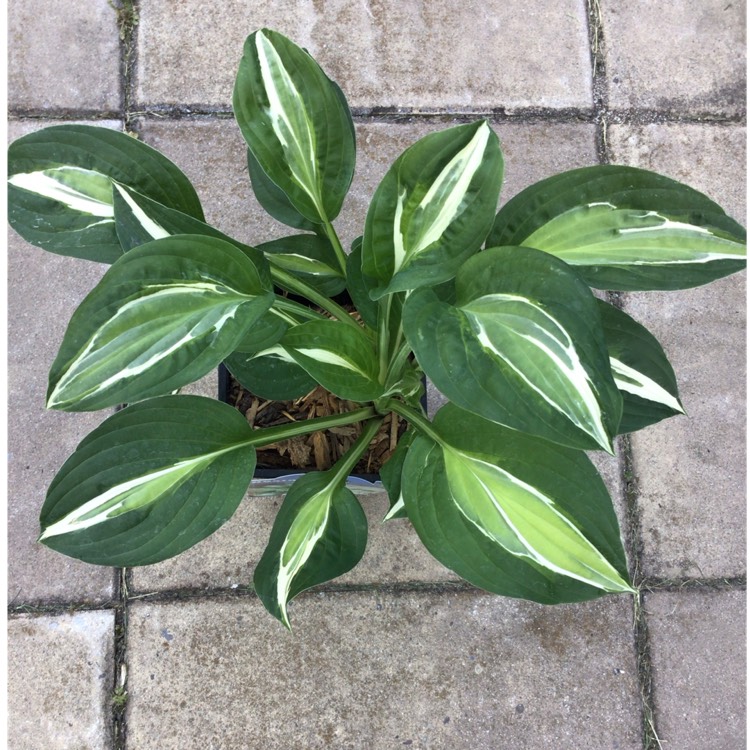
[(446, 198), (114, 335), (632, 381), (136, 493), (602, 234), (306, 530), (301, 264), (154, 230), (330, 358), (81, 190), (289, 121)]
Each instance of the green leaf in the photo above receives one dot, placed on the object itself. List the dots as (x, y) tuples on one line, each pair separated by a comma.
[(359, 286), (641, 370), (522, 346), (433, 209), (308, 257), (265, 332), (339, 357), (624, 228), (319, 533), (513, 514), (272, 198), (138, 220), (150, 482), (61, 178), (270, 373), (390, 474), (297, 124), (163, 316)]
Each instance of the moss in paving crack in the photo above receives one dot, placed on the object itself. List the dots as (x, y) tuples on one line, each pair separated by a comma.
[(640, 625), (127, 17), (119, 691)]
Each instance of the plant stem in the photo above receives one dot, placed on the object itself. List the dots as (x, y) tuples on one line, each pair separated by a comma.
[(384, 322), (417, 419), (293, 284), (269, 435), (396, 366), (336, 243), (348, 461), (284, 305)]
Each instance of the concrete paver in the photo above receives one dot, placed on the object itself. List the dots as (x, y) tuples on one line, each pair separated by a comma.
[(45, 291), (419, 670), (212, 155), (63, 55), (60, 681), (691, 470), (381, 54), (680, 56), (698, 649), (413, 663), (228, 557)]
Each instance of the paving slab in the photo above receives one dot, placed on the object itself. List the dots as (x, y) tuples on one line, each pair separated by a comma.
[(60, 681), (447, 670), (394, 554), (63, 55), (511, 54), (228, 557), (698, 652), (212, 155), (43, 292), (678, 56), (691, 469)]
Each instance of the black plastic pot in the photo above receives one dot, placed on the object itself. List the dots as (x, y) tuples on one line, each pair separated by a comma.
[(274, 481)]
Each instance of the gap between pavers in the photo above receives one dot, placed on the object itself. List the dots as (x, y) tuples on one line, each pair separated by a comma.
[(376, 670)]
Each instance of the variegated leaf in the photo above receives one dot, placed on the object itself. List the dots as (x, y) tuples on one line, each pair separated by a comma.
[(624, 228), (163, 316), (641, 370), (139, 219), (310, 258), (337, 356), (433, 209), (522, 346), (150, 482), (273, 199), (320, 533), (390, 474), (61, 180), (270, 373), (358, 285), (297, 124), (511, 513)]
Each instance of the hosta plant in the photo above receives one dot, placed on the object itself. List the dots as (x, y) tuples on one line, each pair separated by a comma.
[(496, 309)]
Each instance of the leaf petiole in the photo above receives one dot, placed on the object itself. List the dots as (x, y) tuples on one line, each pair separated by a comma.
[(414, 417), (336, 244), (270, 435), (293, 284)]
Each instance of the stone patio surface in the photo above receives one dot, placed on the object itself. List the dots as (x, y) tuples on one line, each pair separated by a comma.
[(399, 653)]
